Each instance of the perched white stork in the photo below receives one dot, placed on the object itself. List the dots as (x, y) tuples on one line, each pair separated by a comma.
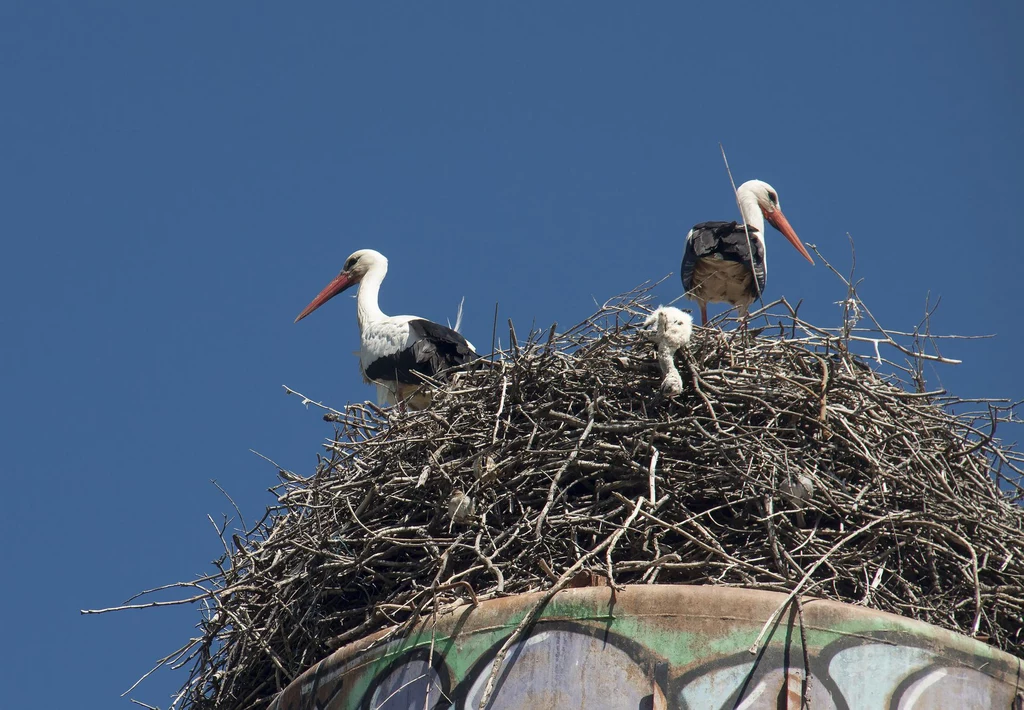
[(393, 348), (723, 262)]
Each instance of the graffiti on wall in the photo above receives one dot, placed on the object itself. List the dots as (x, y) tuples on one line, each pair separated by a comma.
[(666, 649), (579, 665)]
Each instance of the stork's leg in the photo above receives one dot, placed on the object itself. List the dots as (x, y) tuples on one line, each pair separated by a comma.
[(703, 313), (744, 309)]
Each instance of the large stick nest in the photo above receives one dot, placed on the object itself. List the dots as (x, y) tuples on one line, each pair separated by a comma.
[(786, 464)]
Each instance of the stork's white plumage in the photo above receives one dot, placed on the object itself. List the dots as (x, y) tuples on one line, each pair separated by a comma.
[(393, 349), (725, 262)]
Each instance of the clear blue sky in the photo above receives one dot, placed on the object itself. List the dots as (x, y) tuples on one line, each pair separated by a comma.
[(179, 181)]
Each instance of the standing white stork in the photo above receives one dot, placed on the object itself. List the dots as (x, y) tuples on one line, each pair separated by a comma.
[(393, 348), (723, 262)]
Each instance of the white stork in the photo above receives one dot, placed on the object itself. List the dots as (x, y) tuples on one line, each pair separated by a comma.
[(723, 262), (393, 348)]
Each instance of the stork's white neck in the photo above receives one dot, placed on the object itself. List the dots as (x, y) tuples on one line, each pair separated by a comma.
[(751, 210), (367, 309)]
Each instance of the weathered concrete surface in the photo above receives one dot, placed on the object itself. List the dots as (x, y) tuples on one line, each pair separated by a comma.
[(664, 646)]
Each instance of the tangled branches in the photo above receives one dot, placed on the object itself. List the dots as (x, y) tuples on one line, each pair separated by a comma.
[(787, 463)]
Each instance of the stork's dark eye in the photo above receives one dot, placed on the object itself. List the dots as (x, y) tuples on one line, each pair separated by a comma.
[(349, 264), (773, 198)]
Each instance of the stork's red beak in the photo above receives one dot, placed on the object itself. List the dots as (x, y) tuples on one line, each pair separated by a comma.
[(779, 221), (339, 284)]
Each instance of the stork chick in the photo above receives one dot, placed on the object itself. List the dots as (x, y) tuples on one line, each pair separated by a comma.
[(671, 329)]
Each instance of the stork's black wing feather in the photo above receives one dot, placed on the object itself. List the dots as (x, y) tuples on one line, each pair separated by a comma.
[(722, 240), (440, 346), (435, 348)]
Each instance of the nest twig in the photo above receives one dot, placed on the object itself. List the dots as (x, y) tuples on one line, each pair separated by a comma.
[(787, 463)]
